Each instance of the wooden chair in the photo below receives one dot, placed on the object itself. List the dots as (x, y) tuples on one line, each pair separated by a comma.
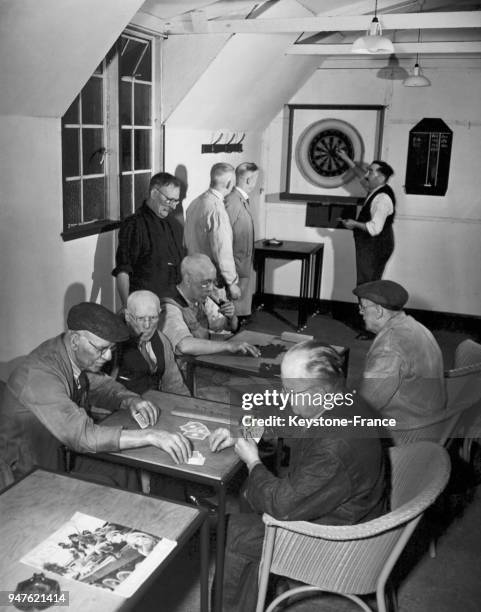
[(355, 560)]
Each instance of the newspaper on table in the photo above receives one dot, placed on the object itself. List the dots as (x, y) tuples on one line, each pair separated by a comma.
[(101, 554)]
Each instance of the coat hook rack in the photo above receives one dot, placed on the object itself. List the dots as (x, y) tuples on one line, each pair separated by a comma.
[(230, 146)]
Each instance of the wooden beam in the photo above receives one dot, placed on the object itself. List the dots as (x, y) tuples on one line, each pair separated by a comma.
[(389, 21), (443, 48)]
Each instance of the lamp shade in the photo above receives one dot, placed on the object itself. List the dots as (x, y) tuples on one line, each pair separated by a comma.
[(416, 79), (373, 41)]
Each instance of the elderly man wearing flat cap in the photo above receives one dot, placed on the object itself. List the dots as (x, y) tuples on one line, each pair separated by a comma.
[(48, 398), (403, 375)]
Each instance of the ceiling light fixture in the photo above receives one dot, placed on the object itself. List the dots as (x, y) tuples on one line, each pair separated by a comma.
[(374, 41), (416, 79)]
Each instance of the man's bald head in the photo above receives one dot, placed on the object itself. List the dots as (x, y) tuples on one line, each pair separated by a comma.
[(142, 313), (198, 277), (141, 299), (320, 364), (197, 265)]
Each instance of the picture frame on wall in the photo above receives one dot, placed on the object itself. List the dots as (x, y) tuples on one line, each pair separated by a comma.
[(314, 172)]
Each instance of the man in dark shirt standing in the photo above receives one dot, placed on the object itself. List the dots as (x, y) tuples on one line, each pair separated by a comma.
[(150, 242)]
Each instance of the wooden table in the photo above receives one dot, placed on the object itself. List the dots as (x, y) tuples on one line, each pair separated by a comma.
[(311, 256), (36, 506), (217, 471), (246, 365)]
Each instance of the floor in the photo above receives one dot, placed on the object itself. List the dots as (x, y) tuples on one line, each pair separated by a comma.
[(448, 583)]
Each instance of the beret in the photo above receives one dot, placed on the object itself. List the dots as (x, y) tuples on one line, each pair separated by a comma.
[(383, 292), (97, 320)]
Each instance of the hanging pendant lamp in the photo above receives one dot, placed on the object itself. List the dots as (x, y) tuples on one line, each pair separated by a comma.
[(416, 79), (373, 42)]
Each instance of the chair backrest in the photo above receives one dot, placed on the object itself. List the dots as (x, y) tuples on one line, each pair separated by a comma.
[(468, 353), (435, 429), (419, 473), (463, 390), (354, 558)]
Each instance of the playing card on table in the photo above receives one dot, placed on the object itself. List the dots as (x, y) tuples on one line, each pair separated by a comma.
[(195, 430), (196, 459)]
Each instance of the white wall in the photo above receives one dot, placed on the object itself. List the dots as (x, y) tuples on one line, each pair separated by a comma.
[(438, 246), (40, 275), (49, 49), (183, 158)]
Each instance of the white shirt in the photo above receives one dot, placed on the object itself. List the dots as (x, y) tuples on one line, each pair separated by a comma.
[(150, 351), (217, 193), (381, 208), (242, 192)]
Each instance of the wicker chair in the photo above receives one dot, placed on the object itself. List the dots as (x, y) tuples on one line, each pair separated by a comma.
[(355, 560), (467, 353), (464, 389)]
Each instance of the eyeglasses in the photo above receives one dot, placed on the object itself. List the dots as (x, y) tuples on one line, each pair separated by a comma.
[(101, 351), (170, 201), (209, 282), (143, 320), (364, 307)]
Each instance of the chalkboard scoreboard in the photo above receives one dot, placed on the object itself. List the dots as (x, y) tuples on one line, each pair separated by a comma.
[(429, 155)]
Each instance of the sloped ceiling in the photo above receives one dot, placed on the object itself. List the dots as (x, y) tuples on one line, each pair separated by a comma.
[(245, 84), (49, 49)]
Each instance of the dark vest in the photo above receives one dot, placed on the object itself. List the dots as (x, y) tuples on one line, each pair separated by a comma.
[(133, 371), (365, 214), (196, 320)]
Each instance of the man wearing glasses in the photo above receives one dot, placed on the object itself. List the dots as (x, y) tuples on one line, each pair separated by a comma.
[(48, 399), (199, 310), (150, 242), (146, 360), (403, 375)]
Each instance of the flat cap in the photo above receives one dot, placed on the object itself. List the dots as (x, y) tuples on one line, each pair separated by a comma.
[(97, 320), (384, 292)]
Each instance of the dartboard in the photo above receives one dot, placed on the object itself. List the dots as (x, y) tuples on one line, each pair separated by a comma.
[(316, 155)]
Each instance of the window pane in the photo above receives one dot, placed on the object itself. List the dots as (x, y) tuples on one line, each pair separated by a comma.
[(144, 70), (94, 199), (135, 60), (70, 152), (71, 116), (126, 164), (93, 150), (142, 149), (71, 203), (142, 98), (125, 103), (92, 108), (141, 188), (126, 207)]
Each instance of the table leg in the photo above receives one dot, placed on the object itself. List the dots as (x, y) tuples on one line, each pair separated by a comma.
[(204, 566), (220, 550), (145, 481), (317, 275), (260, 272), (190, 376), (304, 292)]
